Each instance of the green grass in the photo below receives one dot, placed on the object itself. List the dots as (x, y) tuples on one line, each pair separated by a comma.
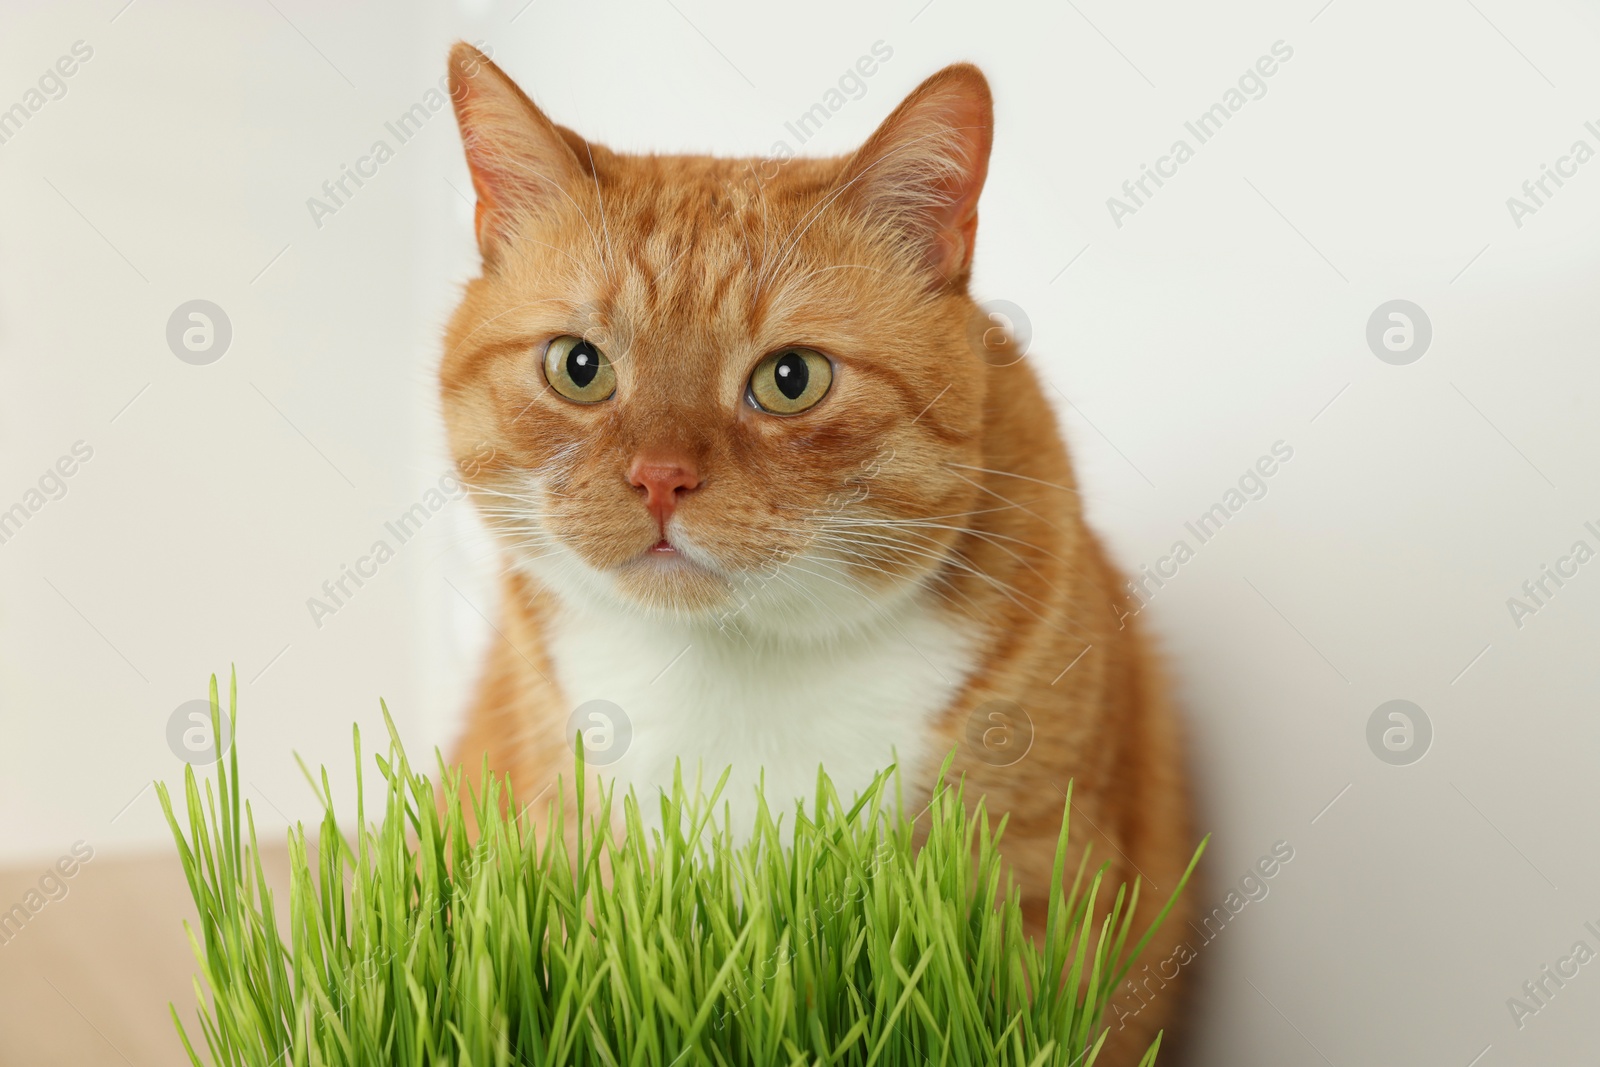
[(831, 939)]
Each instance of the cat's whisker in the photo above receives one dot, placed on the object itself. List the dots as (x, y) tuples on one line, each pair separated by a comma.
[(822, 514), (1022, 477), (489, 490), (939, 555), (788, 579), (837, 266), (941, 591), (510, 502), (993, 538), (861, 559), (529, 498), (816, 599), (605, 225), (740, 219), (945, 556), (1008, 500)]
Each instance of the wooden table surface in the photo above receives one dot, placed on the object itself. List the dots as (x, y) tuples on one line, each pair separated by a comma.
[(88, 979)]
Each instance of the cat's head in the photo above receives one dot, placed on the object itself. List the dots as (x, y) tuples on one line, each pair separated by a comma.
[(735, 389)]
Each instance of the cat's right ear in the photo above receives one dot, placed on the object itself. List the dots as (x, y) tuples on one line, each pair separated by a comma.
[(922, 170), (520, 163)]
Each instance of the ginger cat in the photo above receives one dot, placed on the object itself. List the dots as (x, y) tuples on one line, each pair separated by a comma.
[(766, 479)]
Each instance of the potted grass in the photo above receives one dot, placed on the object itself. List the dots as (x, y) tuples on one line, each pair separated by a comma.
[(834, 934)]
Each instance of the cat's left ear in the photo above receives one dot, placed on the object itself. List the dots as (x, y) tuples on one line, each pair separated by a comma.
[(922, 170)]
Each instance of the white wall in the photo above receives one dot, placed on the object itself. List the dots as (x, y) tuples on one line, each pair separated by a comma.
[(1222, 317)]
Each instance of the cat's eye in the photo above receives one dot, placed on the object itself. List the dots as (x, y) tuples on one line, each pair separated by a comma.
[(790, 380), (578, 370)]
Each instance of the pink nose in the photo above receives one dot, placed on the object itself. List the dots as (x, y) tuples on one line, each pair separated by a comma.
[(662, 480)]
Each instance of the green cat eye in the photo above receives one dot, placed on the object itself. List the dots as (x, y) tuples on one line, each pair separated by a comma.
[(790, 380), (578, 370)]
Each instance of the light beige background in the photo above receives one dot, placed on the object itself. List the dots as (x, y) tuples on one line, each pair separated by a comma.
[(1227, 314)]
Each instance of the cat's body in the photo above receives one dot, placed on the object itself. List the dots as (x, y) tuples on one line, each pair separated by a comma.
[(897, 569)]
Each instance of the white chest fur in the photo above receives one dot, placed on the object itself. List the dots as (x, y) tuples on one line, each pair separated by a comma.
[(713, 699)]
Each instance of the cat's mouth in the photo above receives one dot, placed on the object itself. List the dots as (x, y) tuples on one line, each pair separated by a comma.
[(669, 556), (674, 575)]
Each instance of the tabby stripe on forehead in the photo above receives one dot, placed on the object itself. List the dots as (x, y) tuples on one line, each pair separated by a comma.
[(643, 269), (680, 272), (720, 288)]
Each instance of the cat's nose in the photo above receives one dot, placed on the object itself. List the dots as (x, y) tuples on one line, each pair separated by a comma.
[(662, 479)]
